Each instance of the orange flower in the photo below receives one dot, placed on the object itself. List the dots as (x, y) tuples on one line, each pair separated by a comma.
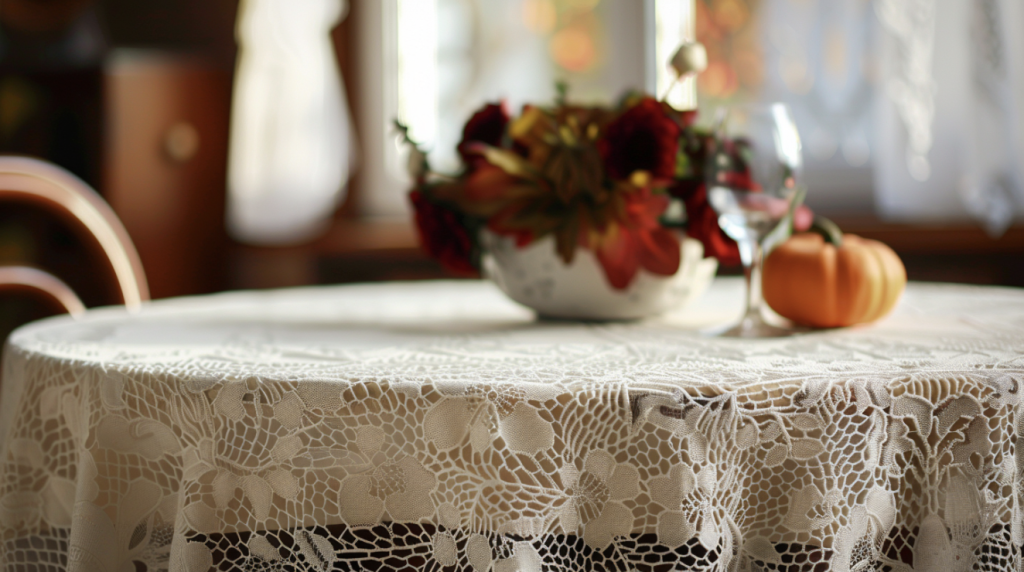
[(637, 240)]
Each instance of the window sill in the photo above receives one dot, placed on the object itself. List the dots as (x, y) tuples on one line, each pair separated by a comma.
[(367, 250)]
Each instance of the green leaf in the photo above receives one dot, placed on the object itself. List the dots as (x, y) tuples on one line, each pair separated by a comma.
[(684, 166), (561, 92)]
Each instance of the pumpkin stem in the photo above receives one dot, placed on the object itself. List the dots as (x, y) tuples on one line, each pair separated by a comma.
[(828, 230)]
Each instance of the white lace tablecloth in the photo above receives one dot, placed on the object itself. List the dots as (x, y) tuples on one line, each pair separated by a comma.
[(437, 426)]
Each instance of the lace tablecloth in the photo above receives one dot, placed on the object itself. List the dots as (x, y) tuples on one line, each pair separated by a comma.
[(437, 426)]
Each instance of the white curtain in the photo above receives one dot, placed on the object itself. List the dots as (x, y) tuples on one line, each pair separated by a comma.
[(950, 106), (920, 100), (291, 141)]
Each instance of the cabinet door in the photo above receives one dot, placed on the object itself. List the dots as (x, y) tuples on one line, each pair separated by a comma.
[(165, 167)]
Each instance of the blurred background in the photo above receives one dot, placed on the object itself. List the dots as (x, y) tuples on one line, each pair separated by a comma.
[(183, 115)]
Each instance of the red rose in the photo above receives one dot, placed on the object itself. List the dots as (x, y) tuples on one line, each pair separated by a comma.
[(486, 126), (644, 138), (443, 236)]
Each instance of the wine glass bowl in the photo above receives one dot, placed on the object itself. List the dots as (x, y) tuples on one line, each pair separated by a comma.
[(753, 178)]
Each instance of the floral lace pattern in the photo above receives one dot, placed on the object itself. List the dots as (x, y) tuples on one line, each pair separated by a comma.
[(436, 426)]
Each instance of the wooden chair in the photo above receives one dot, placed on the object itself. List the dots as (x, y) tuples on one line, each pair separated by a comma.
[(74, 203)]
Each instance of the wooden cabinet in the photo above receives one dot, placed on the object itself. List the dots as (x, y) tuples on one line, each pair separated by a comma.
[(165, 165)]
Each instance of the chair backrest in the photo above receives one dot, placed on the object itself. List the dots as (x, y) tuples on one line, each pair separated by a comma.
[(37, 282), (70, 199)]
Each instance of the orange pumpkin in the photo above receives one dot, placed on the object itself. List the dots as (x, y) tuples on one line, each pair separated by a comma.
[(813, 282)]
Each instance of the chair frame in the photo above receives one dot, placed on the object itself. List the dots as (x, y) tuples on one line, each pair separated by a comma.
[(36, 182), (35, 281)]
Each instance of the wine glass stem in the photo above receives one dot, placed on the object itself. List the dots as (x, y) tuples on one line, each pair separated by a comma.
[(751, 256)]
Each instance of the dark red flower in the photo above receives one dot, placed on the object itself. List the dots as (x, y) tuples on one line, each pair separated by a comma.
[(443, 235), (741, 180), (683, 189), (644, 138), (688, 118), (702, 225), (486, 126), (702, 222)]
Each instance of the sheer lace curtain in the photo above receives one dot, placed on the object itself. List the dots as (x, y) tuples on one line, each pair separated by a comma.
[(951, 113), (920, 100)]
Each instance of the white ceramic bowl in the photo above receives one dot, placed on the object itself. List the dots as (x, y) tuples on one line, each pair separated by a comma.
[(536, 277)]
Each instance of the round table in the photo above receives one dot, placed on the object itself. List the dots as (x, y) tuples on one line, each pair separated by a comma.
[(438, 426)]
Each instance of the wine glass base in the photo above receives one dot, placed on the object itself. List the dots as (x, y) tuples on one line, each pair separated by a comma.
[(757, 328)]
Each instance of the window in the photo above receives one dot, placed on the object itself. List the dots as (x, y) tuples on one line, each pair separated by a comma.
[(910, 109)]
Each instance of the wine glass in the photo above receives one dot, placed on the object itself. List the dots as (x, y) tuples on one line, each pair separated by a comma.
[(754, 183)]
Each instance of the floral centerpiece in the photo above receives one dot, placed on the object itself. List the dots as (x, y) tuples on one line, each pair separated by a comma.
[(622, 182)]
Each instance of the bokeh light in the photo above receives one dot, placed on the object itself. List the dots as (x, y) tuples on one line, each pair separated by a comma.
[(540, 16), (728, 29), (573, 49)]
